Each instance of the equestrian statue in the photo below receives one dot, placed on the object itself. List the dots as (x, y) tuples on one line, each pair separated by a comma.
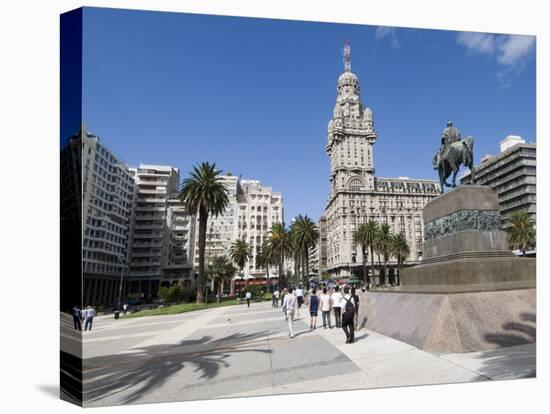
[(453, 153)]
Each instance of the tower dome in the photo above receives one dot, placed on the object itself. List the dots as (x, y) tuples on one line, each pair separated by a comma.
[(348, 78), (367, 114)]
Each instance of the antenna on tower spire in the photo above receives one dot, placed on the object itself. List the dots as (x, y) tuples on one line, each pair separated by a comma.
[(347, 56)]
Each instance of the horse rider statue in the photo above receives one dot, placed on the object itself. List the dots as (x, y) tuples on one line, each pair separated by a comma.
[(453, 153)]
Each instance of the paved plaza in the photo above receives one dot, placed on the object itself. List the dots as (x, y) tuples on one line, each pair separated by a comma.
[(237, 351)]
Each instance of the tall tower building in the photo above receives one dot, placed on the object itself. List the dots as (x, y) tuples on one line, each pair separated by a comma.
[(155, 185), (107, 193), (356, 194)]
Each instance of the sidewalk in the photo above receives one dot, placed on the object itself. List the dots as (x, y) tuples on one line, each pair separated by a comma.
[(238, 351)]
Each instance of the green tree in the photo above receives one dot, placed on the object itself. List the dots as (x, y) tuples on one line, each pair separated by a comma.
[(371, 235), (220, 270), (305, 235), (281, 245), (172, 294), (400, 250), (360, 239), (383, 242), (295, 253), (240, 254), (203, 193), (263, 257), (521, 233)]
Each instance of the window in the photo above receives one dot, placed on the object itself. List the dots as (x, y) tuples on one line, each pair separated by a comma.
[(356, 184)]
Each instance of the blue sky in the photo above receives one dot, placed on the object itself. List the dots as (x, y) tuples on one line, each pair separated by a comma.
[(255, 95)]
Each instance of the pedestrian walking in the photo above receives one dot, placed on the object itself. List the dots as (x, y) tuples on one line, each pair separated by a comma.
[(325, 308), (336, 305), (124, 309), (300, 300), (89, 316), (348, 307), (290, 305), (356, 303), (76, 313), (282, 295), (248, 296), (313, 309), (275, 299)]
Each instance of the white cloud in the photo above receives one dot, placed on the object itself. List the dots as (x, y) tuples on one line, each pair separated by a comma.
[(477, 42), (385, 31), (510, 51), (515, 48)]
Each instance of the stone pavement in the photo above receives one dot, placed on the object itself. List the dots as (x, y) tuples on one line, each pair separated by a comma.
[(235, 351)]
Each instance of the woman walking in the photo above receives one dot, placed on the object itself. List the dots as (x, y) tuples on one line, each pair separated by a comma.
[(313, 309)]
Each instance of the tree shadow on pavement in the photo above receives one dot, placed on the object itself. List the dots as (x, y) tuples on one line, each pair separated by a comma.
[(133, 374), (515, 356)]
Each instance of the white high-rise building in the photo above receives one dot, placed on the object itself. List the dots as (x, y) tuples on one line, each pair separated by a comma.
[(259, 208), (162, 232), (251, 212), (356, 194), (221, 230), (177, 263)]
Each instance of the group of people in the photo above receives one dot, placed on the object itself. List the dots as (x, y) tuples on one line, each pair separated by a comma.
[(344, 306), (86, 315)]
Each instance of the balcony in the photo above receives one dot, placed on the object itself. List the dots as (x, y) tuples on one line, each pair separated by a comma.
[(152, 208), (144, 263), (146, 245), (152, 182), (155, 226), (151, 191), (150, 219), (147, 236), (145, 274), (146, 254), (180, 228)]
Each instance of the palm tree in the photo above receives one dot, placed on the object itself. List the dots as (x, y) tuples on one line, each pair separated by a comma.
[(240, 253), (305, 236), (371, 235), (203, 193), (263, 257), (384, 247), (295, 252), (360, 238), (220, 269), (521, 234), (280, 245), (400, 250)]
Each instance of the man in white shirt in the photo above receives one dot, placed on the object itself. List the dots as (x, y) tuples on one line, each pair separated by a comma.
[(89, 314), (347, 304), (248, 297), (289, 306), (336, 305), (300, 299), (325, 308)]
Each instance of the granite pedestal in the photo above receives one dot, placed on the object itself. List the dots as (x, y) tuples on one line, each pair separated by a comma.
[(470, 293), (465, 246)]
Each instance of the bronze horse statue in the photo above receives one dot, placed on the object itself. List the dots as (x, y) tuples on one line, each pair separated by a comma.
[(451, 158)]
